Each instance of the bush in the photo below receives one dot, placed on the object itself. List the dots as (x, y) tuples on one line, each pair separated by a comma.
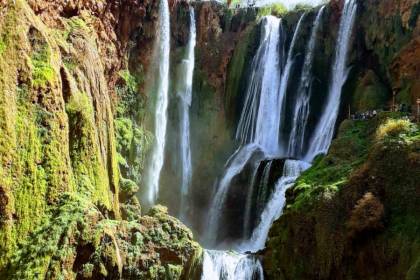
[(367, 215), (393, 128)]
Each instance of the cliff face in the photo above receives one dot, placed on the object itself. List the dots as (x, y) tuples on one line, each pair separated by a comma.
[(226, 42), (62, 197), (75, 117), (351, 216)]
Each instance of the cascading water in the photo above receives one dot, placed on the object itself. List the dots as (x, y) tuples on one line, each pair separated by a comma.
[(258, 128), (272, 211), (260, 119), (324, 131), (234, 166), (258, 132), (185, 96), (301, 112), (226, 265), (157, 155), (289, 63)]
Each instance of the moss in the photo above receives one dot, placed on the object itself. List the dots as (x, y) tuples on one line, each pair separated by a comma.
[(329, 173), (415, 12), (370, 94), (276, 9), (90, 175), (133, 140), (356, 204), (2, 46), (238, 68)]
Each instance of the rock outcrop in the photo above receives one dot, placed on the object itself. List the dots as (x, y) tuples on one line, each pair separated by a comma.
[(63, 77)]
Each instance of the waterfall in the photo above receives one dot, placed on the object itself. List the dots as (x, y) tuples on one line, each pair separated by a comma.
[(289, 63), (185, 96), (260, 117), (235, 165), (157, 156), (301, 112), (259, 132), (249, 197), (258, 128), (225, 265), (272, 211), (263, 190), (324, 131)]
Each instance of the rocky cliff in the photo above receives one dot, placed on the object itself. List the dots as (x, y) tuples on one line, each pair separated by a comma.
[(64, 72), (352, 215), (75, 119)]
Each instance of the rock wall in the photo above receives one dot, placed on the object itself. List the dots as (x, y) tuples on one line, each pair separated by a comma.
[(351, 215), (64, 79)]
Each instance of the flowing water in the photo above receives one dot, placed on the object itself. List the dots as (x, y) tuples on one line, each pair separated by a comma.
[(260, 117), (257, 134), (185, 96), (272, 211), (325, 129), (225, 265), (259, 124), (301, 112), (161, 118), (288, 67)]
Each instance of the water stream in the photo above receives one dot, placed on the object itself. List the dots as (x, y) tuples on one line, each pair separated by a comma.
[(258, 130), (325, 129), (185, 96), (301, 112), (161, 114)]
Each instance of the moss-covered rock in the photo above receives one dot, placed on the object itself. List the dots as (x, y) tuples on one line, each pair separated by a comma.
[(352, 215), (77, 241)]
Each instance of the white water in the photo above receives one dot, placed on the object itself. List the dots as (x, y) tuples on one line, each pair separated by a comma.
[(235, 165), (325, 129), (185, 95), (301, 112), (259, 124), (226, 265), (161, 117), (272, 211), (248, 205), (289, 63), (260, 118)]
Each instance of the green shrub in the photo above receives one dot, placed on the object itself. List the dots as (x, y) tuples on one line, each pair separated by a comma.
[(393, 128)]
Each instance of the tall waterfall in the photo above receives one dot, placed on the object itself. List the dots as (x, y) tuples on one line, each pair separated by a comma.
[(259, 125), (157, 157), (260, 118), (185, 95), (289, 63), (325, 129), (301, 112)]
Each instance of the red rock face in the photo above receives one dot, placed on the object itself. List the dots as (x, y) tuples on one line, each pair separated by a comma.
[(405, 67), (113, 21)]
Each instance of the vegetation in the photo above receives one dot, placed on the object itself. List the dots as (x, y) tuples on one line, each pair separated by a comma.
[(276, 9), (133, 139), (359, 196)]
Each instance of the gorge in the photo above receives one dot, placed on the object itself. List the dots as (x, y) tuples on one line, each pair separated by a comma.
[(176, 139)]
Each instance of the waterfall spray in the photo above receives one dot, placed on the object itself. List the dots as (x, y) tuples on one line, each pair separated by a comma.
[(324, 131), (185, 95), (258, 128), (161, 120), (301, 112)]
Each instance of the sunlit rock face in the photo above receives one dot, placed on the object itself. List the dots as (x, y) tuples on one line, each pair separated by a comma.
[(77, 126)]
